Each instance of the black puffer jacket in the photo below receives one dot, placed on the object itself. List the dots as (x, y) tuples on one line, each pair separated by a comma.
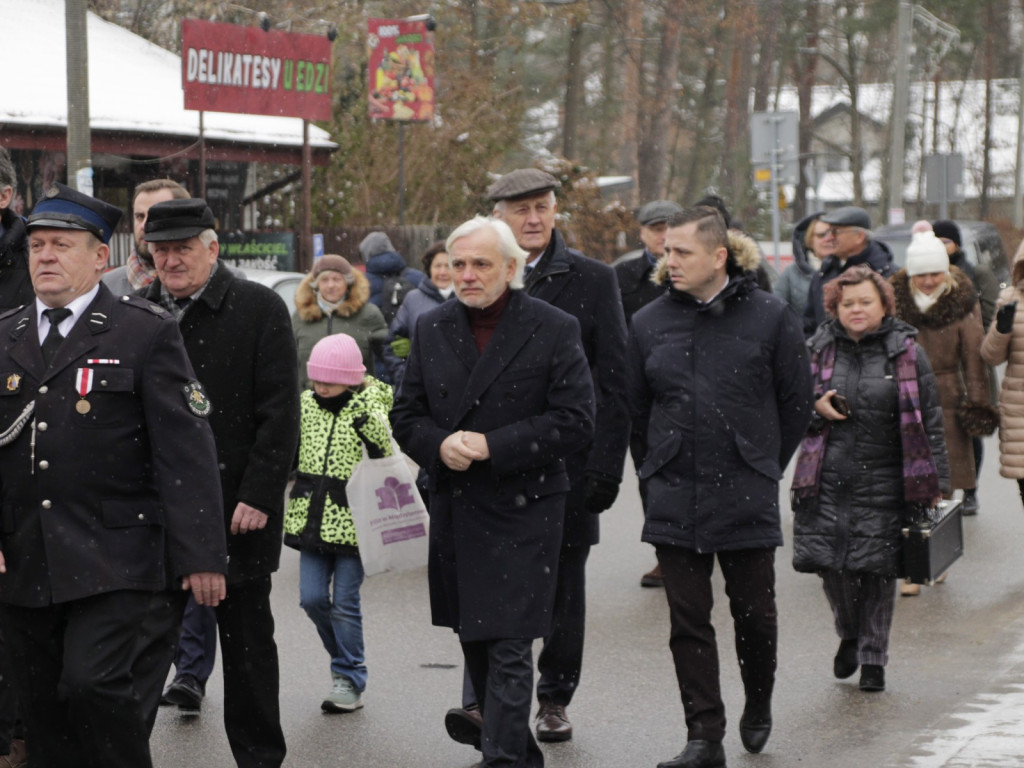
[(854, 522), (725, 389)]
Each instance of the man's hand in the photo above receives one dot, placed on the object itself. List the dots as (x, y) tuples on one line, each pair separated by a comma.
[(207, 588), (460, 449), (600, 492), (247, 519), (3, 563)]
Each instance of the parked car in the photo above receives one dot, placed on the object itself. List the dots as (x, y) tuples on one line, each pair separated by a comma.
[(981, 244), (284, 283)]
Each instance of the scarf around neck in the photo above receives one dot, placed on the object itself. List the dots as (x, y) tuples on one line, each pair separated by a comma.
[(920, 475)]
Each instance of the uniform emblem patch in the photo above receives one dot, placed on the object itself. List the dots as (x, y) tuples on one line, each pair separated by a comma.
[(196, 399), (13, 382)]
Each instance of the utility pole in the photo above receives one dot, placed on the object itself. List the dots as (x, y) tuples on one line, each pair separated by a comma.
[(79, 140), (899, 114)]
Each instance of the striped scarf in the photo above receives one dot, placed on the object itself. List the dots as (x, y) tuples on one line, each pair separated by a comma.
[(920, 475)]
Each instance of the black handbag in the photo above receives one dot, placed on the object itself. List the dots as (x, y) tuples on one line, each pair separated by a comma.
[(933, 539)]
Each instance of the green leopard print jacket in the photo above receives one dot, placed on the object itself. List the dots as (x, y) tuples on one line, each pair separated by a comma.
[(318, 517)]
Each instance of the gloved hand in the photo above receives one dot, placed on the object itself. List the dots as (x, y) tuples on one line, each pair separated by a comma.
[(373, 451), (600, 493), (401, 346), (1004, 317)]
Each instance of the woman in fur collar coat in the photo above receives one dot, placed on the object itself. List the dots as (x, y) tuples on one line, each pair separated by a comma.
[(942, 303), (335, 298)]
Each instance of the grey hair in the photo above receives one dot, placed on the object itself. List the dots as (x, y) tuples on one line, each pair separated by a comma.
[(207, 236), (507, 245)]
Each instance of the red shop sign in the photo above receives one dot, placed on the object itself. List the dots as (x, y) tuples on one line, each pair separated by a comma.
[(230, 68)]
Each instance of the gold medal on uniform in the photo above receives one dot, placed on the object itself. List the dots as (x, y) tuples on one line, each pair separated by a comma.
[(83, 385)]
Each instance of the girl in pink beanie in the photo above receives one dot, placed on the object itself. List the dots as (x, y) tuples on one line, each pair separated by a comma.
[(343, 410)]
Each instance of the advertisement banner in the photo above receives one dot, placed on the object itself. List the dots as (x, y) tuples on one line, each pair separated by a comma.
[(230, 68), (258, 250), (401, 70)]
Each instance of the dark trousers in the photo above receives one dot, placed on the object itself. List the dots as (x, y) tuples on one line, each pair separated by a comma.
[(502, 675), (197, 645), (750, 586), (155, 646), (252, 714), (10, 723), (561, 659), (862, 605), (74, 676)]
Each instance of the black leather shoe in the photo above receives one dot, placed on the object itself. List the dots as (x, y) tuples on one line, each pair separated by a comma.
[(464, 726), (755, 726), (970, 503), (186, 692), (845, 662), (698, 754), (553, 723), (872, 678)]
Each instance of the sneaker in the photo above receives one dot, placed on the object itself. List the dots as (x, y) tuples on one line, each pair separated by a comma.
[(343, 696), (185, 691)]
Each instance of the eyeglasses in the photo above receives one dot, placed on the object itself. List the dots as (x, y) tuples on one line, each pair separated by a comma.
[(836, 231)]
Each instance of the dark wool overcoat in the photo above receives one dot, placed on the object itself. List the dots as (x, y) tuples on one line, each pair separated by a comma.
[(589, 291), (951, 333), (854, 522), (725, 389), (15, 285), (239, 339), (496, 529), (115, 495)]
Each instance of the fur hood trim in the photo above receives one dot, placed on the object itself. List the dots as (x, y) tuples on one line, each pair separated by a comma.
[(951, 307), (744, 253), (309, 310)]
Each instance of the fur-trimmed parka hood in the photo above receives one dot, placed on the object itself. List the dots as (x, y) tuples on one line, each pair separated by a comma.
[(957, 302), (308, 309), (744, 256)]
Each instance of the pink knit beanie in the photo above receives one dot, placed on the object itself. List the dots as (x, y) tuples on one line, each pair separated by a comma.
[(336, 359)]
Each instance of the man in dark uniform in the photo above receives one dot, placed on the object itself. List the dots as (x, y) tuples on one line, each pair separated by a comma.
[(238, 335), (100, 419), (495, 400), (586, 289), (638, 290)]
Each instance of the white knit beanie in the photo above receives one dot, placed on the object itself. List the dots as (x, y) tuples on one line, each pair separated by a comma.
[(926, 254), (336, 359)]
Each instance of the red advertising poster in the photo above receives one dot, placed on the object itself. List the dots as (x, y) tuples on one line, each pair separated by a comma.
[(401, 70), (230, 68)]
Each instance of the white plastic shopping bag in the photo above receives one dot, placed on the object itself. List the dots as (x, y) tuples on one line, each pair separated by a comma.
[(389, 515)]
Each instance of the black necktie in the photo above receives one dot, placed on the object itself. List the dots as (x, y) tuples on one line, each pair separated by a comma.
[(53, 338)]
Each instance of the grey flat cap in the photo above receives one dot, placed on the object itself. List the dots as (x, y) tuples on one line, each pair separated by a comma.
[(656, 212), (522, 183), (848, 216)]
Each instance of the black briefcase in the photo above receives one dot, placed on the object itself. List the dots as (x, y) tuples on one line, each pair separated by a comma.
[(931, 547)]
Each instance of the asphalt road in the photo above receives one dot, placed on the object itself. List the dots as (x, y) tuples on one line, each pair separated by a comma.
[(955, 679)]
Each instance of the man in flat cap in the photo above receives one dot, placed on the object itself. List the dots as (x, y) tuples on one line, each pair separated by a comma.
[(239, 339), (850, 228), (525, 200), (100, 418), (638, 291), (15, 286)]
